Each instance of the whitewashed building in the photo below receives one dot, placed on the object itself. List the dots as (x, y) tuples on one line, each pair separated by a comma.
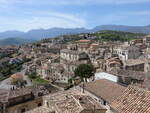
[(103, 75), (130, 52)]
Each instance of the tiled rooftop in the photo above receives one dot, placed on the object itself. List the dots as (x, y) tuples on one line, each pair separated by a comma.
[(41, 109), (4, 95), (129, 73), (131, 62), (133, 100), (70, 51), (71, 101), (84, 41), (105, 89)]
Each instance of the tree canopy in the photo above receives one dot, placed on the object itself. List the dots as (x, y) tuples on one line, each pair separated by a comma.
[(84, 71)]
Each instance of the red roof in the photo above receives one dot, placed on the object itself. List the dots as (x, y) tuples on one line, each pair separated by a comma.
[(84, 40)]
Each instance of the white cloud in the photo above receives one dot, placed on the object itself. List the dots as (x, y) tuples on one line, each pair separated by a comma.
[(68, 17), (47, 20), (33, 19)]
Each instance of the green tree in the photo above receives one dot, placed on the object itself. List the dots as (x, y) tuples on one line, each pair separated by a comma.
[(33, 75), (84, 71)]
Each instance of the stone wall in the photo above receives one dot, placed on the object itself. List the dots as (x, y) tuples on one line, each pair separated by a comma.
[(25, 106)]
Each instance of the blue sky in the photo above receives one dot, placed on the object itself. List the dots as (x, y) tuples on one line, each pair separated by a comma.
[(24, 15)]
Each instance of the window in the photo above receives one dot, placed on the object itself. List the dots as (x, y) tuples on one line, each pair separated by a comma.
[(39, 104), (105, 103)]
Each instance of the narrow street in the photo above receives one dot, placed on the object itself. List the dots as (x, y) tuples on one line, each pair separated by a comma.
[(29, 83)]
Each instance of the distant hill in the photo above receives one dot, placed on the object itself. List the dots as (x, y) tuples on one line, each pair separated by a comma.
[(133, 29), (38, 34), (109, 35), (14, 41), (103, 35), (8, 34)]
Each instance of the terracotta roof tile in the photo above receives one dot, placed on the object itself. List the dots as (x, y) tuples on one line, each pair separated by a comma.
[(70, 101), (4, 95), (133, 100), (105, 89), (84, 41)]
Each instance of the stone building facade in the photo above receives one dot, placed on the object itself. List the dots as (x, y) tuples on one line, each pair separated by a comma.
[(129, 52), (21, 100)]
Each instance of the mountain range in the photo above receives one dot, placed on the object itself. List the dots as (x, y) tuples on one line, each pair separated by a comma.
[(38, 34), (14, 41)]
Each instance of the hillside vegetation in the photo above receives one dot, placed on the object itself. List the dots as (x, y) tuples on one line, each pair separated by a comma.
[(117, 36), (105, 35)]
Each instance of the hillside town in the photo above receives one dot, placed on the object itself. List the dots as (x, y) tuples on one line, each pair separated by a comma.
[(82, 73)]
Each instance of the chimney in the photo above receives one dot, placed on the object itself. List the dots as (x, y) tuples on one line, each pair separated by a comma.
[(81, 100)]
